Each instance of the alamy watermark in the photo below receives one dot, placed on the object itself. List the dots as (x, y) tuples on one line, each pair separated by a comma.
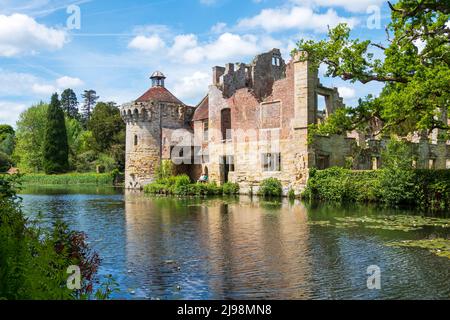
[(374, 279), (74, 279)]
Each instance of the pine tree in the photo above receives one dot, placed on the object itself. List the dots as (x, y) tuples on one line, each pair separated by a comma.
[(69, 103), (56, 148), (89, 100)]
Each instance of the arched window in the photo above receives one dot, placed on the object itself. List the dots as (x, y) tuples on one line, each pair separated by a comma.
[(135, 140)]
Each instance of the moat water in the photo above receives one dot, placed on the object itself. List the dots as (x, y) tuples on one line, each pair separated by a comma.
[(241, 248)]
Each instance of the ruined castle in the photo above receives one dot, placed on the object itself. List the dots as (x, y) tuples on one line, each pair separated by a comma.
[(252, 125)]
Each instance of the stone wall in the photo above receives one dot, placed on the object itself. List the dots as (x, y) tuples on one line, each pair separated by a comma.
[(149, 128)]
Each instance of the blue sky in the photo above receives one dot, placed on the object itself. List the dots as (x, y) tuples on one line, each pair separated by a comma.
[(120, 43)]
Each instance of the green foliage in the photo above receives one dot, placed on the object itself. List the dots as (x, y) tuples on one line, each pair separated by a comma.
[(89, 100), (69, 104), (33, 262), (7, 139), (397, 176), (291, 194), (30, 135), (425, 189), (182, 186), (56, 148), (165, 169), (270, 187), (342, 185), (415, 94), (5, 162), (69, 179), (107, 126), (230, 188)]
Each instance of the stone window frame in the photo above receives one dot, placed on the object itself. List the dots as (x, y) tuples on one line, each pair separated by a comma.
[(205, 130), (229, 161), (276, 60), (268, 165), (227, 131)]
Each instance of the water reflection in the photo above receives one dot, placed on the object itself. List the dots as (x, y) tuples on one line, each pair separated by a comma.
[(218, 249), (242, 248)]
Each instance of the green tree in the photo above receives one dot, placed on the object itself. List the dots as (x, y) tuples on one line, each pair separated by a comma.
[(69, 103), (89, 100), (415, 96), (7, 139), (29, 138), (397, 175), (74, 132), (107, 126), (56, 148)]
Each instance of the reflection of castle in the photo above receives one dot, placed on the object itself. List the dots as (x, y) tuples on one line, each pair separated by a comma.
[(252, 125), (218, 249)]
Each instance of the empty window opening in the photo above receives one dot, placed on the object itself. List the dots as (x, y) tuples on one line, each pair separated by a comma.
[(271, 162), (276, 61), (375, 163), (432, 164), (322, 161), (226, 124), (135, 140), (205, 130)]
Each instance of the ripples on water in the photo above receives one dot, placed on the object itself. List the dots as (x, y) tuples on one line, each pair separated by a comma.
[(240, 248)]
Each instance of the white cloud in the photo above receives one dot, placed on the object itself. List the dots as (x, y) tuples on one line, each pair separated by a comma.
[(10, 111), (182, 43), (43, 89), (28, 85), (21, 34), (149, 44), (219, 27), (69, 82), (347, 92), (192, 87), (301, 18), (349, 5), (228, 46)]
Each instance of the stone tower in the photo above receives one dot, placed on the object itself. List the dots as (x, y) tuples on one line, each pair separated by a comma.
[(147, 119)]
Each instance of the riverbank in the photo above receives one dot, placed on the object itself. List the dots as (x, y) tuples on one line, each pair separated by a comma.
[(109, 179), (425, 189)]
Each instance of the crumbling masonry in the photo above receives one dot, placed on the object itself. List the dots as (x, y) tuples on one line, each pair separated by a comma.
[(252, 125)]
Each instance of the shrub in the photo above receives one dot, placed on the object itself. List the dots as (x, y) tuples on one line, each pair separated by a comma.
[(342, 185), (291, 194), (271, 188), (5, 162), (182, 186), (33, 262), (397, 176), (230, 188)]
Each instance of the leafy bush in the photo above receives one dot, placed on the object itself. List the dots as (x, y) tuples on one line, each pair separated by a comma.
[(427, 189), (230, 188), (33, 262), (397, 176), (342, 185), (5, 162), (182, 186), (271, 188), (291, 194)]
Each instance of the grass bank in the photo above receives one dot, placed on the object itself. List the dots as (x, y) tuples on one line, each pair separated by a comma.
[(69, 179), (182, 186), (426, 189)]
